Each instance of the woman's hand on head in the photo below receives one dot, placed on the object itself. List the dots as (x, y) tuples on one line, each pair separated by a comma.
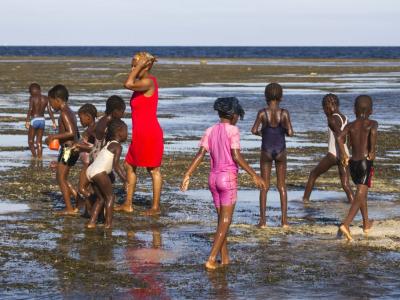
[(185, 183)]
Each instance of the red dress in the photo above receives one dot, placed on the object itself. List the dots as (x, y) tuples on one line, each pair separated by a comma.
[(147, 146)]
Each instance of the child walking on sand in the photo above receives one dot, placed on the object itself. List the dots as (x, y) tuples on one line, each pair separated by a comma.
[(98, 172), (275, 124), (363, 137), (222, 141), (67, 135), (336, 123), (35, 120)]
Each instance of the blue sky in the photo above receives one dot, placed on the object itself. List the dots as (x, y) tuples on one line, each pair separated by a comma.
[(205, 22)]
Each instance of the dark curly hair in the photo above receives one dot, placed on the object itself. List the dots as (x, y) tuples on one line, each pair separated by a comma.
[(59, 91), (114, 103), (363, 106), (273, 91), (228, 106), (89, 109), (114, 126)]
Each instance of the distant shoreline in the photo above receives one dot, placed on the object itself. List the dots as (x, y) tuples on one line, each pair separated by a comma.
[(255, 52)]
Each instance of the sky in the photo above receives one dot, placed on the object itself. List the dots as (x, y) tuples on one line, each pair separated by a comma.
[(200, 23)]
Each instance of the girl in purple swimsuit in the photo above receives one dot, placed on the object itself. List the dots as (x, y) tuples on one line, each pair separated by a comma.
[(222, 141), (275, 125)]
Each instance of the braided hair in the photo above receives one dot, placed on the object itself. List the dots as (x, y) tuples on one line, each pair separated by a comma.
[(228, 106), (273, 91), (330, 99)]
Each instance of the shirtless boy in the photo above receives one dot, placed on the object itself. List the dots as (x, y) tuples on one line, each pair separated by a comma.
[(68, 134), (363, 137), (35, 121)]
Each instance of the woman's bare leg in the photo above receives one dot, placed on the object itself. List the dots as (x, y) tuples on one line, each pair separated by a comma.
[(323, 166), (224, 221), (265, 168), (131, 178), (157, 186)]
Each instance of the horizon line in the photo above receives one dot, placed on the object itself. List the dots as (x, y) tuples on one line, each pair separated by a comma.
[(211, 46)]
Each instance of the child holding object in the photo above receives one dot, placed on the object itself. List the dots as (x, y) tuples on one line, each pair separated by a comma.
[(68, 134), (363, 136), (222, 141)]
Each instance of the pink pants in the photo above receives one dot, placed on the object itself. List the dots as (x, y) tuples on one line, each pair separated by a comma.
[(223, 187)]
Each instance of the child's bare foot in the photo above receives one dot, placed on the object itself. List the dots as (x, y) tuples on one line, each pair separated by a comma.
[(66, 212), (107, 226), (225, 262), (306, 200), (285, 225), (262, 224), (346, 231), (211, 265), (124, 208), (151, 212), (368, 226), (90, 225)]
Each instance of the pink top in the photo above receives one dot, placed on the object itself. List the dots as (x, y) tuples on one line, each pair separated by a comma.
[(218, 140)]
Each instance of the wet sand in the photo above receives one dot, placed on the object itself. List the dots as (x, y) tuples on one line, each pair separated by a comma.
[(42, 255)]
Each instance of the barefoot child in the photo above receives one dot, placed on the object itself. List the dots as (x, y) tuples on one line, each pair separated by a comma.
[(222, 141), (275, 124), (363, 136), (35, 120), (68, 135), (98, 172), (336, 123), (115, 109), (87, 114)]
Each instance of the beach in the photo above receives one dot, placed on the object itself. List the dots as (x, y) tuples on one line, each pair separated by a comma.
[(44, 255)]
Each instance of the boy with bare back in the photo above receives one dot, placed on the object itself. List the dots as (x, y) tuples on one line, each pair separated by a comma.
[(35, 120), (363, 137), (68, 134)]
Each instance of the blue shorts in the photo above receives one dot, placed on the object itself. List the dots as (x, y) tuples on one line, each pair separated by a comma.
[(38, 123)]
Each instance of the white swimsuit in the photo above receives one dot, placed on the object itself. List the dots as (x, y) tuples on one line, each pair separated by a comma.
[(102, 163), (332, 145)]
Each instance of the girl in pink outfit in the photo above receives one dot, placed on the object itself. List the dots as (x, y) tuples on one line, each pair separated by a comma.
[(222, 141)]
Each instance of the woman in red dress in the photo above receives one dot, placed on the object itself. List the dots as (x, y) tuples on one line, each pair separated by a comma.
[(147, 146)]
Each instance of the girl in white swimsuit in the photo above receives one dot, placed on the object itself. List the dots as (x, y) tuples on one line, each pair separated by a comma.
[(336, 123), (97, 173)]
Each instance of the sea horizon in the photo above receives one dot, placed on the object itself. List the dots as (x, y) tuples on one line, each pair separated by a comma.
[(263, 52)]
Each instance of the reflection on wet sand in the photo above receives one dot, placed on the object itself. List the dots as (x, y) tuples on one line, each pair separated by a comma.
[(145, 263)]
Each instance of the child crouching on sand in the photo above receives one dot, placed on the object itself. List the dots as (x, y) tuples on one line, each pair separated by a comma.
[(87, 114), (98, 172), (363, 136), (222, 141)]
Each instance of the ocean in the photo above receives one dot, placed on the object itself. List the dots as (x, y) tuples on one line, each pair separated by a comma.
[(207, 52)]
